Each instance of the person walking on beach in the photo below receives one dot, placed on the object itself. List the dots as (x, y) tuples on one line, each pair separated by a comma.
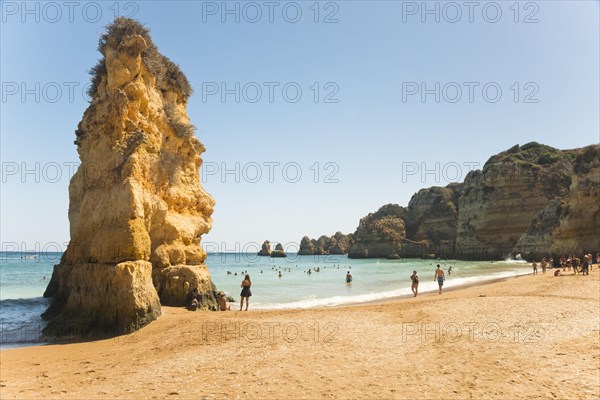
[(534, 265), (415, 283), (246, 293), (543, 265), (439, 275), (348, 277), (585, 266)]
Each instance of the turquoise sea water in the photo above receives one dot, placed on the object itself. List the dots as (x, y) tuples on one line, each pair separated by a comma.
[(23, 279)]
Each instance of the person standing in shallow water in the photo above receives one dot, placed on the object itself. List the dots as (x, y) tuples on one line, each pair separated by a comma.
[(415, 283), (246, 293), (439, 275)]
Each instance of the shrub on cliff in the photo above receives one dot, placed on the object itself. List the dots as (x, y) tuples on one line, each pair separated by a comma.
[(529, 155), (387, 222), (181, 129), (546, 158), (586, 159), (167, 73)]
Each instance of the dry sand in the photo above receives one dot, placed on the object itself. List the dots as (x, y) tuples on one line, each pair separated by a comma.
[(528, 337)]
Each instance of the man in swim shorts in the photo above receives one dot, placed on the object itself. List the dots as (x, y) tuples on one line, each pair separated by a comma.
[(439, 275)]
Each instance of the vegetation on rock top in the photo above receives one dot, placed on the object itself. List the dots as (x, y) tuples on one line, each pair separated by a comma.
[(168, 74)]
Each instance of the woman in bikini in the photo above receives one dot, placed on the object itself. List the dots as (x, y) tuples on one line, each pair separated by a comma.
[(415, 283), (246, 293)]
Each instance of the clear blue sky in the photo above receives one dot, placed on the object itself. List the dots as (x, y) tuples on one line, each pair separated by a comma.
[(367, 58)]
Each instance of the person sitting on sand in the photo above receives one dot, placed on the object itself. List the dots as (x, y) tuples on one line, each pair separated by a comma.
[(415, 283), (439, 275), (223, 306), (534, 265), (194, 306), (246, 293), (348, 277), (193, 300), (557, 272)]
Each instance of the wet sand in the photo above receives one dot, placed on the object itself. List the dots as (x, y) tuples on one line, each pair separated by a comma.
[(527, 337)]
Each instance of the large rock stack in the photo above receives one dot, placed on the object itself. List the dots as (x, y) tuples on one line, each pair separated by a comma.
[(137, 210)]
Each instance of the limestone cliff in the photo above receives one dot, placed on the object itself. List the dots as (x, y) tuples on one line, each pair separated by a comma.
[(432, 213), (579, 229), (571, 224), (379, 234), (137, 210), (339, 243), (500, 202), (532, 199)]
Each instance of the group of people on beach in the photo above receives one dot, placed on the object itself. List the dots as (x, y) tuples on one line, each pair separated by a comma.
[(222, 303), (578, 265), (245, 294), (439, 276)]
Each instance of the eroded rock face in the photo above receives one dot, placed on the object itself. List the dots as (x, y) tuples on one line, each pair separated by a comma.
[(538, 240), (279, 251), (379, 234), (501, 201), (96, 299), (137, 210), (307, 248), (265, 249), (339, 243), (432, 213), (579, 227), (532, 200)]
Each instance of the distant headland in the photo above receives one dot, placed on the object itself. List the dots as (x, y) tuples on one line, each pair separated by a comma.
[(533, 200)]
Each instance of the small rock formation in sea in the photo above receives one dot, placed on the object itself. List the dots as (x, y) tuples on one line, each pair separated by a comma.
[(278, 252), (532, 200), (266, 249), (267, 252), (339, 243), (137, 210)]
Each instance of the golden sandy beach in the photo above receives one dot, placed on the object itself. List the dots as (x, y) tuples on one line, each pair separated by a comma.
[(527, 337)]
